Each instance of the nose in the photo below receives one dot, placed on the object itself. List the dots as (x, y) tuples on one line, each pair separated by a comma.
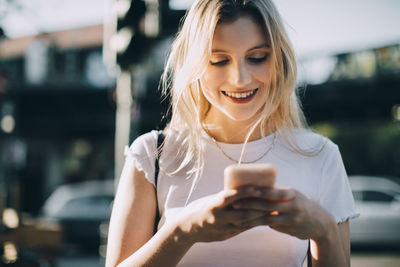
[(240, 74)]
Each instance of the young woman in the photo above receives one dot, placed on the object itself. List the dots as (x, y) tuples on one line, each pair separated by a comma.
[(231, 76)]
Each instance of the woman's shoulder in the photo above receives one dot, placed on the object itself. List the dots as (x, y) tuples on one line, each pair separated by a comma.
[(148, 141), (145, 140), (306, 140), (176, 136), (309, 136), (144, 146)]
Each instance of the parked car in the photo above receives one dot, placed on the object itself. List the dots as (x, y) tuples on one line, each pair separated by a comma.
[(378, 201), (80, 208)]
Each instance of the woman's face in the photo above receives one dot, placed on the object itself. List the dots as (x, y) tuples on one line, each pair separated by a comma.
[(238, 75)]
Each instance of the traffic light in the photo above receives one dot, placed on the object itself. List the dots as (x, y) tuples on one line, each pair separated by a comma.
[(130, 40)]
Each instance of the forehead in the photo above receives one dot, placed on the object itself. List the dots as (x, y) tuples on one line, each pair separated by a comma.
[(243, 32)]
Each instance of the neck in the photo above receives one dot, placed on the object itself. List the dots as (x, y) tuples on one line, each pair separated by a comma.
[(229, 131)]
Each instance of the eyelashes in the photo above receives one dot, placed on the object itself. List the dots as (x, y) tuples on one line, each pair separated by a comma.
[(219, 63), (251, 60), (257, 60)]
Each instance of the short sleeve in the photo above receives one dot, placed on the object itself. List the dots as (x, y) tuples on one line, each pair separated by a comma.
[(335, 193), (142, 152)]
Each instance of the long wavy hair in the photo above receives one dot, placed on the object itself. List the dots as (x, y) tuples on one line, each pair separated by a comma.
[(188, 59)]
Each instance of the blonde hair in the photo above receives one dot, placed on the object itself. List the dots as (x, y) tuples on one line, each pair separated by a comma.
[(190, 55)]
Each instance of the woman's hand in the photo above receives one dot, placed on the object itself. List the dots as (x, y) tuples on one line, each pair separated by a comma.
[(288, 211), (212, 218)]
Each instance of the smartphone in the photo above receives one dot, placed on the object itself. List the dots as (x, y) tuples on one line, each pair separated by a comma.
[(257, 174)]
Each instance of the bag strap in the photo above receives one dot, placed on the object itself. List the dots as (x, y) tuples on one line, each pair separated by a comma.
[(160, 141), (309, 257)]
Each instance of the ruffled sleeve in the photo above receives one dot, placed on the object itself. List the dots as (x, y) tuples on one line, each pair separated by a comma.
[(335, 193), (143, 151)]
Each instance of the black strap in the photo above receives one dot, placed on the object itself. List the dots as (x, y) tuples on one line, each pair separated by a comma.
[(309, 258), (160, 140)]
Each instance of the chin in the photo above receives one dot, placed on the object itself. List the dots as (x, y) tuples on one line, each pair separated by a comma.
[(243, 117)]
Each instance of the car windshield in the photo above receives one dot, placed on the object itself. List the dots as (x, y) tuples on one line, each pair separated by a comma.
[(373, 196)]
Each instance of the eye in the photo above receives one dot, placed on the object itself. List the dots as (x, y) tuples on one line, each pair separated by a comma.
[(257, 60), (219, 63)]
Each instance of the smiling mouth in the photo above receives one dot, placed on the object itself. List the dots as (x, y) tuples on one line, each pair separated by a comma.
[(244, 95)]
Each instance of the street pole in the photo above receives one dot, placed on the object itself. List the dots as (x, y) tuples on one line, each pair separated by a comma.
[(123, 119)]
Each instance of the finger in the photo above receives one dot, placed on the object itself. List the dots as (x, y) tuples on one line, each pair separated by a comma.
[(229, 196), (239, 217), (277, 194), (261, 205), (268, 219), (254, 204)]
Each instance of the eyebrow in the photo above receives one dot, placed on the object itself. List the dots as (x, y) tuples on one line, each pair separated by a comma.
[(253, 48)]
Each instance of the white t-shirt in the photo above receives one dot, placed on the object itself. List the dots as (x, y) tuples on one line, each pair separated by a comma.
[(321, 177)]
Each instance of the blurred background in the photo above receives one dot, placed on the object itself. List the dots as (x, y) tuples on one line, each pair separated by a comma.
[(79, 81)]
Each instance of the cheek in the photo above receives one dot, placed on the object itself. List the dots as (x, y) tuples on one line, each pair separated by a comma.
[(210, 89), (212, 79), (263, 73)]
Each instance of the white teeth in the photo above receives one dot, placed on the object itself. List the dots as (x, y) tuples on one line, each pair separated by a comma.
[(239, 95)]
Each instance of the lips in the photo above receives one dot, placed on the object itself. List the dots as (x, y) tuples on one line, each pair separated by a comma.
[(240, 95)]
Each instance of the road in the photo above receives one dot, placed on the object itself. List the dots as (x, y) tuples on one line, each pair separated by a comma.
[(374, 259), (358, 259)]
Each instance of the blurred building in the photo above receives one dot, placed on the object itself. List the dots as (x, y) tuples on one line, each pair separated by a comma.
[(58, 110), (58, 99), (57, 113), (358, 86)]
